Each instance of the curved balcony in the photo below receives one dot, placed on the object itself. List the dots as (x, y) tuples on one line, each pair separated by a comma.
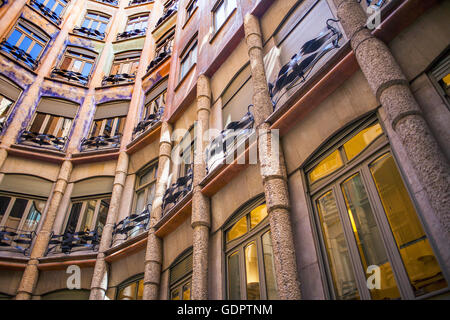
[(118, 79), (162, 56), (131, 34), (19, 54), (38, 5), (70, 76), (133, 224), (16, 239), (136, 2), (177, 191), (67, 242), (148, 122), (111, 2), (42, 140), (100, 142), (223, 146), (167, 13), (88, 32)]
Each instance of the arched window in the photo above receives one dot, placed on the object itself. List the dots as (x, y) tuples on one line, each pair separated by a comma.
[(248, 254), (76, 65), (131, 289), (367, 222)]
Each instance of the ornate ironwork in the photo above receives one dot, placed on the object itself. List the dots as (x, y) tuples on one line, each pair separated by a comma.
[(163, 54), (19, 54), (16, 239), (177, 191), (92, 33), (100, 142), (42, 140), (302, 63), (131, 34), (68, 241), (168, 11), (3, 2), (133, 223), (118, 78), (226, 142), (46, 11), (134, 2), (148, 122), (70, 76), (113, 2)]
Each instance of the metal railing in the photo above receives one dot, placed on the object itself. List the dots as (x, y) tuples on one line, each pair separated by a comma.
[(71, 76), (100, 142), (133, 224), (68, 241), (131, 34), (134, 2), (149, 121), (19, 54), (39, 5), (16, 239), (42, 140), (167, 13), (177, 191), (113, 2), (118, 78), (161, 55), (91, 33)]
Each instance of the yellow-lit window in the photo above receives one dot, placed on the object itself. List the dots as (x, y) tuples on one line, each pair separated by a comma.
[(326, 166), (359, 142)]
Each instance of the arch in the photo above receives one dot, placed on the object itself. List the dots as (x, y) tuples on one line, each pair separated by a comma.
[(66, 294)]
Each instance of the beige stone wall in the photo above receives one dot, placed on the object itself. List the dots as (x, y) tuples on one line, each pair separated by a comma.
[(125, 268), (9, 281), (53, 280), (176, 242)]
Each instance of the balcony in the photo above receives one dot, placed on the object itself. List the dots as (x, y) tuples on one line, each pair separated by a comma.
[(70, 76), (167, 13), (111, 2), (46, 12), (133, 225), (149, 122), (17, 240), (161, 56), (118, 79), (225, 144), (177, 191), (88, 32), (42, 140), (131, 34), (136, 2), (100, 142), (68, 242), (19, 54)]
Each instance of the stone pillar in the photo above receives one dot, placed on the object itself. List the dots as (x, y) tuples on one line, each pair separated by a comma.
[(99, 283), (153, 253), (201, 217), (273, 171), (390, 86), (31, 273)]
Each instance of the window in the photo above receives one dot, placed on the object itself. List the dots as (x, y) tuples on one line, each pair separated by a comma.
[(145, 188), (126, 63), (30, 42), (185, 149), (131, 289), (5, 108), (88, 215), (188, 59), (155, 105), (76, 65), (191, 8), (56, 6), (440, 74), (108, 127), (249, 255), (51, 125), (20, 213), (366, 218), (221, 12), (137, 23), (95, 21), (180, 277)]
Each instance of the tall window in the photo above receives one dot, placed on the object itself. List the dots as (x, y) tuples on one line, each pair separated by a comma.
[(108, 126), (137, 22), (191, 8), (20, 213), (180, 277), (368, 222), (78, 61), (145, 188), (50, 124), (188, 59), (155, 105), (126, 63), (221, 12), (249, 255), (88, 215), (5, 108), (96, 21), (132, 289), (185, 149), (56, 6)]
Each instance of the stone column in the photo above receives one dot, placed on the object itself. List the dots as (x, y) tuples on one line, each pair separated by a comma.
[(390, 86), (31, 273), (201, 217), (153, 253), (273, 171), (99, 283)]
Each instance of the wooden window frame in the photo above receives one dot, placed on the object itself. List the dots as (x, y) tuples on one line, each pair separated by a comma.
[(48, 117), (103, 126), (146, 186), (126, 58), (83, 211), (134, 279), (140, 18)]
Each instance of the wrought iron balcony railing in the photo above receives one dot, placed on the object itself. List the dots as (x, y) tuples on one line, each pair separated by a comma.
[(131, 34), (67, 242), (100, 142), (19, 54), (302, 63), (118, 78), (167, 13), (39, 5), (42, 140), (2, 126), (3, 2), (162, 55), (16, 239), (134, 2), (177, 191), (113, 2), (148, 122), (88, 32), (133, 224), (225, 144), (71, 76)]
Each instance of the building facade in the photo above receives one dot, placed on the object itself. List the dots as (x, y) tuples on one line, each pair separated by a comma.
[(229, 149)]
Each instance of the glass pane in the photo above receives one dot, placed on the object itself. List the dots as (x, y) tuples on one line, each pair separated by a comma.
[(140, 292), (86, 69), (25, 44), (4, 202), (368, 238), (150, 194), (234, 278), (336, 245), (51, 125), (73, 217), (102, 215), (257, 215), (37, 123), (88, 216), (96, 127), (359, 142), (238, 229), (59, 8), (65, 128), (175, 294), (418, 257), (120, 125), (252, 274), (76, 67), (14, 37), (326, 166), (102, 27), (140, 201), (34, 215), (86, 23), (269, 267), (147, 176), (127, 293), (16, 213), (187, 291), (36, 51), (5, 105)]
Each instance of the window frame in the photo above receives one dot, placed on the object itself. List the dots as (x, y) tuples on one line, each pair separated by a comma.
[(139, 17), (47, 118), (190, 11), (63, 3), (153, 165), (186, 55), (214, 11), (99, 22), (103, 126), (186, 278), (150, 107), (134, 279), (126, 58)]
